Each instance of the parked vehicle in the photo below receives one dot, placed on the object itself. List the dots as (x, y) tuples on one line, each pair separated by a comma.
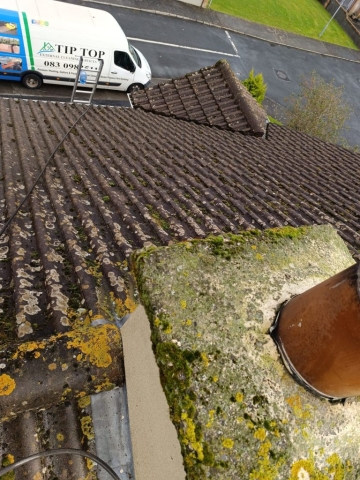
[(41, 42)]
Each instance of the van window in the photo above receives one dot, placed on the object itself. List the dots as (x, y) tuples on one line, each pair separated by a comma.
[(134, 55), (123, 60)]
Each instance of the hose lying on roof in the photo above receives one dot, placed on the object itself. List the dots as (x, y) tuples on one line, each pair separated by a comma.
[(61, 451), (7, 224)]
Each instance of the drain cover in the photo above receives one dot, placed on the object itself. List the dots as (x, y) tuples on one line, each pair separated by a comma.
[(282, 75)]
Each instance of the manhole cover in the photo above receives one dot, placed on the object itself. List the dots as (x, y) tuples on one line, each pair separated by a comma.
[(282, 75)]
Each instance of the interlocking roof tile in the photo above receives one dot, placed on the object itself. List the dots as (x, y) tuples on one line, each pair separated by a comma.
[(124, 179), (211, 96)]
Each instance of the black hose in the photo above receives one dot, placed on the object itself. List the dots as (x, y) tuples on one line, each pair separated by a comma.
[(61, 451), (7, 224)]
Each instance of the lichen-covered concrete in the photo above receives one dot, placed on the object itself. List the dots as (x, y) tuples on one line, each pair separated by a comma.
[(238, 413)]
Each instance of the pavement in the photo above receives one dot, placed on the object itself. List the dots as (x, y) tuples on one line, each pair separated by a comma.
[(179, 9)]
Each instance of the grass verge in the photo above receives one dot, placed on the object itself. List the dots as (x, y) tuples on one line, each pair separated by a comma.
[(303, 17)]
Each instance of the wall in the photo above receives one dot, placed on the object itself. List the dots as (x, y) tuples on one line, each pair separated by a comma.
[(197, 3)]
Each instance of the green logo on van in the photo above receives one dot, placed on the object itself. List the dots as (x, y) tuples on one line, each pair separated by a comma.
[(46, 48)]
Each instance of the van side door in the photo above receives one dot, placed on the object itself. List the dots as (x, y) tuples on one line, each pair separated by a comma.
[(122, 70)]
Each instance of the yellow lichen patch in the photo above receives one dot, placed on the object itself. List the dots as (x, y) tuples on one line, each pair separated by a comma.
[(168, 329), (105, 386), (65, 394), (6, 461), (188, 322), (260, 434), (298, 409), (157, 322), (52, 366), (190, 437), (84, 401), (90, 476), (215, 378), (205, 359), (87, 427), (60, 437), (228, 443), (266, 468), (7, 384), (239, 397), (303, 470), (37, 354), (123, 307), (37, 476), (183, 304), (94, 343), (211, 418), (29, 347), (89, 463), (337, 468)]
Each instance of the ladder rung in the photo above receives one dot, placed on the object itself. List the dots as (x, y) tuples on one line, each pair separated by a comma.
[(87, 88)]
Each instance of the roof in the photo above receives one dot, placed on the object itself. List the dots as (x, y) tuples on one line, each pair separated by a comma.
[(109, 192), (211, 96), (149, 179)]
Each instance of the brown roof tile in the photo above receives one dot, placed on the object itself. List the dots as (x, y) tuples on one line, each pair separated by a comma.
[(198, 95)]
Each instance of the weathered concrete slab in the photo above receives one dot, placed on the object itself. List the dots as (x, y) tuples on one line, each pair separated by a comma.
[(237, 411)]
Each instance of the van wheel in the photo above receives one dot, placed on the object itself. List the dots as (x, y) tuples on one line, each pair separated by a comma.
[(135, 87), (31, 80)]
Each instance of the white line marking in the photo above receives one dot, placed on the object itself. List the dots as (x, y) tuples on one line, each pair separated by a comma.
[(183, 46), (232, 43)]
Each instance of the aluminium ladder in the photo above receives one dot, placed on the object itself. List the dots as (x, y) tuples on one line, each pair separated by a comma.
[(89, 87)]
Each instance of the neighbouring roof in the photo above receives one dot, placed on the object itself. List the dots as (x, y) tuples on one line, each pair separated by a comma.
[(211, 96), (124, 179)]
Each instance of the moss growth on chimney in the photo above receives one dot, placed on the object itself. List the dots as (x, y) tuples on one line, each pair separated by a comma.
[(211, 303)]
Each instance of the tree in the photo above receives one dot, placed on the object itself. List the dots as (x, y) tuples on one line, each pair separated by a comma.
[(319, 109), (256, 86)]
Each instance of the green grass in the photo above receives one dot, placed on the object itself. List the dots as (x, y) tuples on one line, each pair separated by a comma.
[(273, 120), (303, 17)]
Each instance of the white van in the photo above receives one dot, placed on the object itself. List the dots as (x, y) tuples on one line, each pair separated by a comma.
[(41, 41)]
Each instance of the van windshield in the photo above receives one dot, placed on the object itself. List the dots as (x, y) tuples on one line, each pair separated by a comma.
[(135, 55)]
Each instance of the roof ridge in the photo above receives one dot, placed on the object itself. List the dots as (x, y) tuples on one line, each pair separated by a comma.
[(253, 112)]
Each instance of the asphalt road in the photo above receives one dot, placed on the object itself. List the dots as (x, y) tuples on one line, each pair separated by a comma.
[(282, 67), (174, 47)]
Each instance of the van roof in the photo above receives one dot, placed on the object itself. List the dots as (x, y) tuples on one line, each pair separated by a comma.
[(62, 16)]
